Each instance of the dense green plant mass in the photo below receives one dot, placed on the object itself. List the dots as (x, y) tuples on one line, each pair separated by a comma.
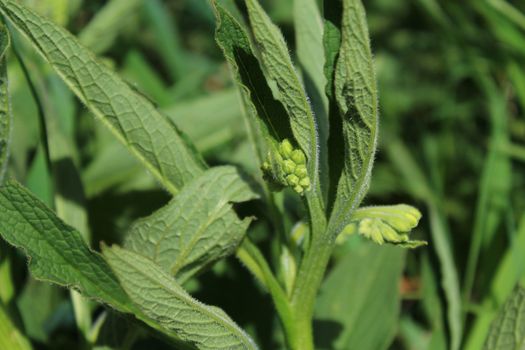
[(250, 129)]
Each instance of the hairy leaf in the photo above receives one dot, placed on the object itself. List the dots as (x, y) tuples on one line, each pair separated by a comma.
[(279, 66), (57, 252), (163, 300), (197, 227), (133, 119), (356, 96), (257, 97), (508, 330), (5, 108)]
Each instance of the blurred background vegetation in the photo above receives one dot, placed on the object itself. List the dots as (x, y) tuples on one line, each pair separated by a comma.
[(451, 79)]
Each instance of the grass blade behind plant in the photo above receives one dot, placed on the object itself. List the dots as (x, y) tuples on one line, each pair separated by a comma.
[(167, 38), (419, 187), (359, 303), (108, 23), (495, 185), (308, 26), (134, 120), (10, 337)]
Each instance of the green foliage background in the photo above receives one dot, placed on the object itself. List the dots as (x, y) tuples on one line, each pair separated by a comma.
[(451, 81)]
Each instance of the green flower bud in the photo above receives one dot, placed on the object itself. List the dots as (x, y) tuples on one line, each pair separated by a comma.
[(301, 171), (305, 183), (266, 166), (289, 166), (298, 157), (286, 148), (292, 180), (298, 189)]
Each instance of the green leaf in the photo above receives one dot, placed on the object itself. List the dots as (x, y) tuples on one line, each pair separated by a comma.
[(279, 67), (390, 224), (69, 197), (356, 96), (266, 115), (332, 12), (207, 133), (57, 252), (10, 336), (133, 119), (309, 41), (508, 330), (163, 300), (359, 303), (167, 38), (197, 227), (5, 108)]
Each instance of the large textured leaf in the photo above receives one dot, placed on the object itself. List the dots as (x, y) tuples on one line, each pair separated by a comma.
[(5, 111), (279, 67), (57, 252), (133, 119), (356, 96), (10, 336), (163, 300), (267, 113), (197, 227), (359, 303), (508, 330)]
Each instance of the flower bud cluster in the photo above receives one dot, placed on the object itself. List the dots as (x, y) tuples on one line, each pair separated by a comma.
[(288, 167)]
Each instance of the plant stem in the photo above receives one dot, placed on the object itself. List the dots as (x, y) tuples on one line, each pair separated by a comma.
[(254, 261), (309, 278)]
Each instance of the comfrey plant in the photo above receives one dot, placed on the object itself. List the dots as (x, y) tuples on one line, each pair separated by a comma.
[(314, 130)]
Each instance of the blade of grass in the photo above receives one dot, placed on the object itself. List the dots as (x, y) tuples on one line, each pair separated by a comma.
[(494, 187), (414, 178), (511, 269)]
